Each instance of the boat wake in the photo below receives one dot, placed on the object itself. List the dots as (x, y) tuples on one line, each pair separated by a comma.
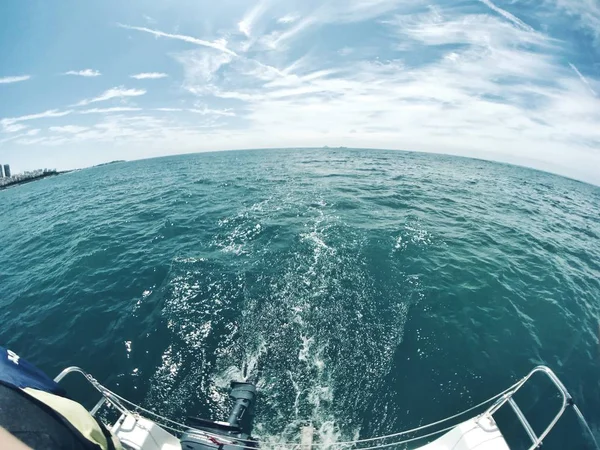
[(313, 321)]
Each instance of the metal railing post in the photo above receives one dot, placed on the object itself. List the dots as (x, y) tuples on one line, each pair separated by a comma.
[(507, 398)]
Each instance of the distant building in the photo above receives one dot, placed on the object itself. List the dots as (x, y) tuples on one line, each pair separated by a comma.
[(1, 171), (6, 170)]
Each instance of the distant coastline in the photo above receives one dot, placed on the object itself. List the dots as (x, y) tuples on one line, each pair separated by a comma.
[(110, 162), (38, 175), (22, 179)]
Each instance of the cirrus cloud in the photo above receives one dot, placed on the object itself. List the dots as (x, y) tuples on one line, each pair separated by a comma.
[(116, 92), (149, 76), (217, 45), (84, 73), (14, 79)]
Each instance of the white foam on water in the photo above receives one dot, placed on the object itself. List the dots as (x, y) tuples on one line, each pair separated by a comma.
[(310, 324), (141, 300), (400, 243), (195, 295), (170, 367), (413, 234), (241, 229), (315, 392), (306, 343), (309, 311), (417, 234), (163, 380)]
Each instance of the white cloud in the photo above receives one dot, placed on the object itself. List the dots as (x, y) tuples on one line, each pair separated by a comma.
[(149, 20), (313, 13), (30, 141), (141, 135), (205, 111), (116, 109), (499, 92), (8, 80), (288, 18), (11, 138), (84, 73), (217, 45), (586, 12), (245, 25), (116, 92), (515, 20), (201, 68), (149, 76), (583, 79), (13, 128), (479, 30), (244, 28), (361, 10), (69, 129), (33, 132), (9, 122), (275, 39), (455, 79)]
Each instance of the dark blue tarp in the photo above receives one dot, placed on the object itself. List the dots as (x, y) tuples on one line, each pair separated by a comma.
[(17, 372)]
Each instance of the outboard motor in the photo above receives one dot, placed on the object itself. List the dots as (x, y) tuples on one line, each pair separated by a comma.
[(230, 435)]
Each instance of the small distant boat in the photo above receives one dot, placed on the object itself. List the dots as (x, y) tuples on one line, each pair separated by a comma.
[(138, 428)]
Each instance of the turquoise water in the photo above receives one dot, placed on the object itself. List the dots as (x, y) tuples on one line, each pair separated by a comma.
[(373, 290)]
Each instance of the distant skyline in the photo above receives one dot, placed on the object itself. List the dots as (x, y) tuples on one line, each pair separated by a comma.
[(514, 81)]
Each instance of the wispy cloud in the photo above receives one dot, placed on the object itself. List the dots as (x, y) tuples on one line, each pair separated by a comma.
[(149, 76), (6, 123), (583, 79), (433, 29), (275, 39), (205, 111), (311, 14), (492, 86), (515, 20), (201, 68), (8, 80), (84, 73), (217, 45), (26, 140), (13, 128), (11, 138), (245, 25), (149, 20), (69, 129), (141, 135), (473, 78), (116, 92), (585, 12), (288, 18), (116, 109)]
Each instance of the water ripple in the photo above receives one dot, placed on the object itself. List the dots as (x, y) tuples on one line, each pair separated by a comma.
[(372, 290)]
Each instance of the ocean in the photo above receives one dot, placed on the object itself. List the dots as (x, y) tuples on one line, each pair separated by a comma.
[(373, 291)]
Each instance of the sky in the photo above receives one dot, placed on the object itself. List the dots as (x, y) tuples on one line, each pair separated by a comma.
[(516, 81)]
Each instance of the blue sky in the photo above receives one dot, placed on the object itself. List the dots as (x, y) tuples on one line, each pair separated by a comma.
[(88, 82)]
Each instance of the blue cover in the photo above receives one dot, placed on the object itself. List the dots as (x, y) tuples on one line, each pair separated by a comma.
[(17, 372)]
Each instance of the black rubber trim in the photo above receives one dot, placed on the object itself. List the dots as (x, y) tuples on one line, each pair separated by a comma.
[(107, 434)]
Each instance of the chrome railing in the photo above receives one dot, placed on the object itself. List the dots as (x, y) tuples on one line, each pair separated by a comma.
[(110, 398), (90, 379), (566, 401)]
